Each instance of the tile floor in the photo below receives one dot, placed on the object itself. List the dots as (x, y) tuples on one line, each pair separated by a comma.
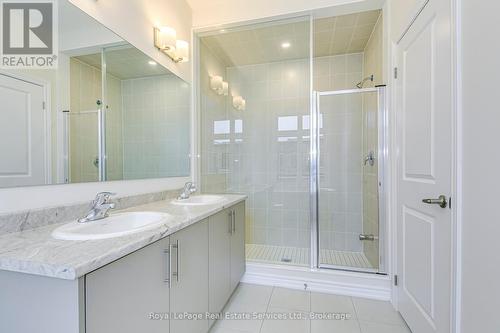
[(366, 316)]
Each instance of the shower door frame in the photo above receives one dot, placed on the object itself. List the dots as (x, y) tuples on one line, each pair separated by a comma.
[(101, 108), (382, 156)]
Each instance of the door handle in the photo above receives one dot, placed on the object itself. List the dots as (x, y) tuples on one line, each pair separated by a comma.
[(441, 201), (230, 216)]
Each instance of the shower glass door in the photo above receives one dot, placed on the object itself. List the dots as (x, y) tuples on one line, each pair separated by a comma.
[(348, 175)]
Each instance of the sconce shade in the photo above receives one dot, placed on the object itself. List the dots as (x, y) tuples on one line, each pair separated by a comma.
[(216, 83), (182, 50), (165, 38)]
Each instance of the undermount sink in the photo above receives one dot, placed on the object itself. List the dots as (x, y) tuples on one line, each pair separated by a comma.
[(116, 225), (199, 200)]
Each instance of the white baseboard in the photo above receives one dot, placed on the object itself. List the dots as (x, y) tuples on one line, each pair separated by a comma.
[(354, 284)]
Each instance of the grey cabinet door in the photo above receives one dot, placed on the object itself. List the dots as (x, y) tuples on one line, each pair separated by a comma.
[(219, 260), (189, 291), (121, 296), (238, 245)]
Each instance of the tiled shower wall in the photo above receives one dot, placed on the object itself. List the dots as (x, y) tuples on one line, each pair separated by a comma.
[(263, 151), (268, 148), (213, 147), (155, 127), (373, 60)]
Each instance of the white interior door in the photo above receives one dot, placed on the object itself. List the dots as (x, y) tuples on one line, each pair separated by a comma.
[(424, 92), (22, 133)]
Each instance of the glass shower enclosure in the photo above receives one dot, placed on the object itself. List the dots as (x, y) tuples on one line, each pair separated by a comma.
[(311, 162)]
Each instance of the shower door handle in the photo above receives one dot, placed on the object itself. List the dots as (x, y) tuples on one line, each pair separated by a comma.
[(441, 201)]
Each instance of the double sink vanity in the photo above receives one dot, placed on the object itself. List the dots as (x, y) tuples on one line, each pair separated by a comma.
[(165, 266)]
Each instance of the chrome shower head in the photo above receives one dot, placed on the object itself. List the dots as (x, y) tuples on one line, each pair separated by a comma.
[(362, 82)]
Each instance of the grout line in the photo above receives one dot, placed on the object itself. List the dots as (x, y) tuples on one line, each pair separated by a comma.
[(310, 311), (267, 308)]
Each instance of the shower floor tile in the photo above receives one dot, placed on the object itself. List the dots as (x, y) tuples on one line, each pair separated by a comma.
[(296, 256)]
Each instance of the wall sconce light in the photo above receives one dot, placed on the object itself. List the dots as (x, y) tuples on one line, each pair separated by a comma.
[(218, 85), (239, 103), (165, 40), (181, 51)]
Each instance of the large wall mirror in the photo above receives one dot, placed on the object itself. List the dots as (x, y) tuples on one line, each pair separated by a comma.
[(108, 112)]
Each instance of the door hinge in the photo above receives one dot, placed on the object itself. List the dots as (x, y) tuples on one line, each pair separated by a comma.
[(43, 105), (449, 203), (395, 280), (395, 72)]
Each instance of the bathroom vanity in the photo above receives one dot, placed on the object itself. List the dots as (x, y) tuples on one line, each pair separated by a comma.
[(147, 282)]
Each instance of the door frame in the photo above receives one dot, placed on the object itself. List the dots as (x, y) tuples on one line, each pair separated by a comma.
[(47, 111), (456, 156)]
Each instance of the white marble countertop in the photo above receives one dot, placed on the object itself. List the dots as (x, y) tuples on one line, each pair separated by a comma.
[(37, 252)]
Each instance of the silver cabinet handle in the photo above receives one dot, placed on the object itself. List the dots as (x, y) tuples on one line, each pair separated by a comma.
[(234, 221), (441, 201), (168, 251), (177, 265), (178, 256), (230, 215)]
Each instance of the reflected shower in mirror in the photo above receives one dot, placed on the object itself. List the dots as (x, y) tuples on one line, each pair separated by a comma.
[(108, 112)]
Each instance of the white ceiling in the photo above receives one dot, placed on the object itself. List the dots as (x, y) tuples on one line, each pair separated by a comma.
[(125, 63), (343, 34), (263, 43)]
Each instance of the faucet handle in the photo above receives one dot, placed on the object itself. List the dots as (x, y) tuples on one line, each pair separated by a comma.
[(103, 197), (192, 188)]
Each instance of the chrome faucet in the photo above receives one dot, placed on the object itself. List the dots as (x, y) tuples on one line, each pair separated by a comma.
[(100, 207), (189, 188)]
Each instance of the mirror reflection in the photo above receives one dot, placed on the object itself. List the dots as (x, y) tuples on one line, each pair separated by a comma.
[(108, 112)]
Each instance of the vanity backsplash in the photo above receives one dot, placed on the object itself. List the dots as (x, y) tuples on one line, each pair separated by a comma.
[(31, 219)]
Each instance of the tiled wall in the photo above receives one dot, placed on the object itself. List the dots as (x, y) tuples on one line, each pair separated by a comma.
[(213, 113), (373, 61), (114, 135), (341, 190), (269, 148), (263, 151), (156, 137), (85, 90)]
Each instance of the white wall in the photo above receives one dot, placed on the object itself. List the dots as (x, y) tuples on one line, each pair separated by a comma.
[(210, 13), (133, 20), (401, 14), (77, 30), (481, 165)]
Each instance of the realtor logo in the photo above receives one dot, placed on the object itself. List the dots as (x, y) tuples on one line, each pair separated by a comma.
[(28, 34)]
